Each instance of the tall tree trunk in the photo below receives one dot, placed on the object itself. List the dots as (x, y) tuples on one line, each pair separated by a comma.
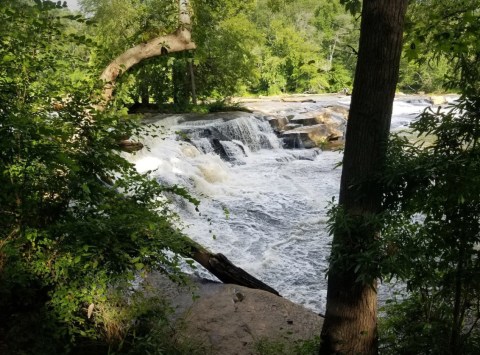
[(178, 41), (192, 81), (351, 316)]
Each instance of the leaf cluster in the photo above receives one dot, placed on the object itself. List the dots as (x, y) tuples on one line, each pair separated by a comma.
[(76, 219), (432, 227)]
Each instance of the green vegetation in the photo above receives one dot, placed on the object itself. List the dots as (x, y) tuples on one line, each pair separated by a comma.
[(429, 226), (242, 47), (432, 230), (259, 47), (78, 224)]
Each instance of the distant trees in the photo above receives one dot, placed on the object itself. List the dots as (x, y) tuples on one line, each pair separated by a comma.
[(220, 64), (305, 46), (260, 47)]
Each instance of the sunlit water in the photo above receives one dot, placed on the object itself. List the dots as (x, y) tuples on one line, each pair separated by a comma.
[(265, 209)]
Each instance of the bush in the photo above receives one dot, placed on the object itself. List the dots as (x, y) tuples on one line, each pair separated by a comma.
[(76, 218)]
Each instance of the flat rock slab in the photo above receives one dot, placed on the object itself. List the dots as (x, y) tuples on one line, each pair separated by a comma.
[(235, 318), (230, 319)]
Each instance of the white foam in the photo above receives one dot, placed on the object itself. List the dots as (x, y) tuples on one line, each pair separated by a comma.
[(275, 227)]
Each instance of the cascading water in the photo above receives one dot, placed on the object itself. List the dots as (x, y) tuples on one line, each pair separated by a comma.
[(262, 206)]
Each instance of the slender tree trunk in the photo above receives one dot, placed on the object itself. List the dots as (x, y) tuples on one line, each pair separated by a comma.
[(144, 93), (192, 81), (351, 316), (332, 52), (456, 331)]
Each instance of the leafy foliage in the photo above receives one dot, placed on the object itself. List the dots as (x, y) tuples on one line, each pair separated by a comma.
[(432, 196), (303, 51), (76, 219), (433, 232)]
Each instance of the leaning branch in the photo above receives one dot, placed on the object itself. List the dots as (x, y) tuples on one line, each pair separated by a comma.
[(222, 268), (178, 41)]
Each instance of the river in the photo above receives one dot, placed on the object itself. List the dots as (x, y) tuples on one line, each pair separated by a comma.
[(262, 206)]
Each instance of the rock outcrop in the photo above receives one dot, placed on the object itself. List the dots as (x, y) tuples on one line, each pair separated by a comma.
[(302, 122), (230, 319), (322, 128)]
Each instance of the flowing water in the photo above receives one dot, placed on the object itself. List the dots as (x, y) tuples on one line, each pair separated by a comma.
[(262, 206)]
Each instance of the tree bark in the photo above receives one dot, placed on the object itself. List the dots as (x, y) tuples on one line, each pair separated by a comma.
[(350, 325), (192, 81), (222, 268), (178, 41)]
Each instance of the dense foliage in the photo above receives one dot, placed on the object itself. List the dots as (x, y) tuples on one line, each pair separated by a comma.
[(251, 47), (76, 220), (432, 234), (432, 230), (261, 47), (78, 224)]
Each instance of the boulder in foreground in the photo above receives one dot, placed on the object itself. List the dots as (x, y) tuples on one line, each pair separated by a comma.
[(231, 319)]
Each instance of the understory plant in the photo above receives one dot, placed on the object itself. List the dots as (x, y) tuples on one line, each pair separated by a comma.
[(77, 222), (431, 233)]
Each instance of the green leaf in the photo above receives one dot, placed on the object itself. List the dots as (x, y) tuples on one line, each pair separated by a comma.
[(139, 266)]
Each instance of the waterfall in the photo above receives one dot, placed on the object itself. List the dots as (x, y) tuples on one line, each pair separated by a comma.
[(232, 136), (262, 206)]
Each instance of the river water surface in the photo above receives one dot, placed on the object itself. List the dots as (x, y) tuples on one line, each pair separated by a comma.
[(262, 206)]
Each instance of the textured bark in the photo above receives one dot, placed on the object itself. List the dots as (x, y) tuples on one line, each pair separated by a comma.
[(223, 269), (351, 316), (178, 41)]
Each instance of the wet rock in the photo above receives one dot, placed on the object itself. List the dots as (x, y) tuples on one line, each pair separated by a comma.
[(304, 120), (438, 100), (278, 123), (339, 109), (291, 126), (310, 136)]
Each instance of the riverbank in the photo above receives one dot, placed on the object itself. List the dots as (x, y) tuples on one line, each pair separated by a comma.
[(234, 320)]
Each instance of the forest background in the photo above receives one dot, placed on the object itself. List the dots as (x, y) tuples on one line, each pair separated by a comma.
[(265, 47)]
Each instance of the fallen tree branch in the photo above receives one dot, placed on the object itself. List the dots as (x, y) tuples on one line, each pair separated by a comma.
[(224, 269)]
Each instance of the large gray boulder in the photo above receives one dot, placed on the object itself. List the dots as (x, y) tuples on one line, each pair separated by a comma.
[(230, 319)]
